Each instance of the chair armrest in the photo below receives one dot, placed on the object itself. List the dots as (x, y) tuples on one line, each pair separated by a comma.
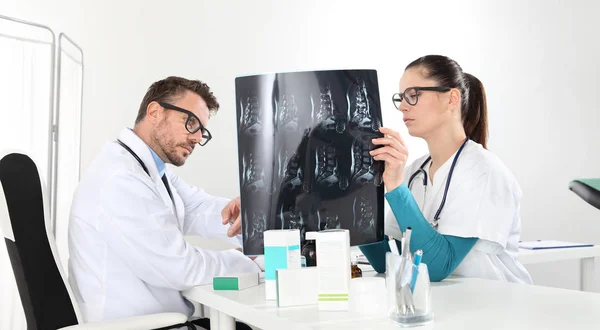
[(588, 190), (143, 322)]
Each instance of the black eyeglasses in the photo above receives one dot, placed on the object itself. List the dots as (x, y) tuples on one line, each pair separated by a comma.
[(411, 94), (192, 124)]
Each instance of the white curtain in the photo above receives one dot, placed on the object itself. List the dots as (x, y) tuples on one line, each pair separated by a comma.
[(25, 99), (27, 83)]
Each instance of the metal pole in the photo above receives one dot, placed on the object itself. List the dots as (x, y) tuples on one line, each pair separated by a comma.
[(57, 124)]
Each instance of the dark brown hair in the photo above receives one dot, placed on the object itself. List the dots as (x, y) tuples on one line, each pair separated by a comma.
[(170, 88), (448, 73)]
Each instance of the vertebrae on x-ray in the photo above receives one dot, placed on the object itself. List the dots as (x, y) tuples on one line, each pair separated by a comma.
[(253, 175), (363, 165), (257, 227), (364, 213), (328, 221), (289, 169), (359, 108), (286, 113), (325, 113), (327, 171), (290, 218), (250, 116)]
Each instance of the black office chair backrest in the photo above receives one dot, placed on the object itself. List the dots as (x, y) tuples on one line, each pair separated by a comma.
[(43, 293)]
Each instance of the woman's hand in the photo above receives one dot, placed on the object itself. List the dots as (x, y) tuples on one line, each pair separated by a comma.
[(394, 153)]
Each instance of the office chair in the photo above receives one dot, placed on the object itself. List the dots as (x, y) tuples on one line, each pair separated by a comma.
[(588, 190), (46, 296)]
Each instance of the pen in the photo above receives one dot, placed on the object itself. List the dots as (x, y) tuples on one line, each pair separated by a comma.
[(402, 244), (393, 246), (418, 256), (406, 246)]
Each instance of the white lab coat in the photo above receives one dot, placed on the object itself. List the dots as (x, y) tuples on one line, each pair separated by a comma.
[(483, 201), (128, 255)]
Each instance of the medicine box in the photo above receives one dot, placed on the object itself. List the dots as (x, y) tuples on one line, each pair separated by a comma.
[(333, 269), (297, 287), (282, 251), (235, 282)]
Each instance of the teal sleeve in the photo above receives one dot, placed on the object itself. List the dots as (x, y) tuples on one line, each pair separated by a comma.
[(441, 253)]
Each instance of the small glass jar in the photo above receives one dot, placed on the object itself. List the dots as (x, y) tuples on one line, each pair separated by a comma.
[(309, 251), (356, 272)]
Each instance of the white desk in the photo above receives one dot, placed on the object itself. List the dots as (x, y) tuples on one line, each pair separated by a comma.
[(457, 303), (585, 255)]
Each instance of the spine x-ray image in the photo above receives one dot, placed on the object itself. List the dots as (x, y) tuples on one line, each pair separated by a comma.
[(303, 145)]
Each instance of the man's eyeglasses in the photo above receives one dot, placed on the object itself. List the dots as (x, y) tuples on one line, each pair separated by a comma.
[(411, 94), (192, 124)]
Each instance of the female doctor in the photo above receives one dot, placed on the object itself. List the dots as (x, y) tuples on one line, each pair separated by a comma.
[(460, 201)]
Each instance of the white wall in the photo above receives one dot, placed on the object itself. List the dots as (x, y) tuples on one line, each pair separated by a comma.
[(536, 59)]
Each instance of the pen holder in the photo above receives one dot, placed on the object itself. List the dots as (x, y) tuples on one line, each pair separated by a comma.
[(406, 307)]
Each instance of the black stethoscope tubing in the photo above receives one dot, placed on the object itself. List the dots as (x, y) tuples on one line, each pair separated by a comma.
[(422, 169)]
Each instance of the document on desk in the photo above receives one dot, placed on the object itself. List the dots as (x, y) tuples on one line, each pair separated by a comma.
[(543, 245)]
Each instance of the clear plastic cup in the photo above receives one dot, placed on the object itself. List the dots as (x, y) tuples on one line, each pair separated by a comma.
[(409, 301)]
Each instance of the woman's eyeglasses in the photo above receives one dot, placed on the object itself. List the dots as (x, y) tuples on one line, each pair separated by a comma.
[(411, 94)]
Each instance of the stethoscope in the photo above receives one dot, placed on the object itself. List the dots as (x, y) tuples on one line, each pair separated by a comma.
[(421, 169), (126, 147), (164, 178)]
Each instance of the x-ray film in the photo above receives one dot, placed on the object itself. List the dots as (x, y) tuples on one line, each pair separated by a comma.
[(303, 145)]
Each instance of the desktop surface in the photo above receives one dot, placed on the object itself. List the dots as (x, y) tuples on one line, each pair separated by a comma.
[(458, 303)]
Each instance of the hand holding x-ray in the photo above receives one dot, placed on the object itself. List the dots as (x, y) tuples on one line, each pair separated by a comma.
[(394, 152)]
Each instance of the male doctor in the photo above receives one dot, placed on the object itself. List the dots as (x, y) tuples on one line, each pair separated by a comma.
[(130, 213)]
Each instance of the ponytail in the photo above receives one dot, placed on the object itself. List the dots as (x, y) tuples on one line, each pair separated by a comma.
[(448, 73), (474, 111)]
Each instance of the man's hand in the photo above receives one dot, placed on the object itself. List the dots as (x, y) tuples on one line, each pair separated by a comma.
[(230, 212)]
